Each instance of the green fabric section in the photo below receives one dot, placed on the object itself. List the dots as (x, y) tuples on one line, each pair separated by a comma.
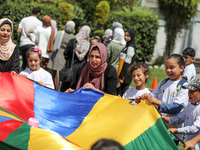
[(10, 113), (155, 138), (20, 137), (4, 146)]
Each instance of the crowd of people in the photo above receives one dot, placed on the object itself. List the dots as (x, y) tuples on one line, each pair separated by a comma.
[(106, 64)]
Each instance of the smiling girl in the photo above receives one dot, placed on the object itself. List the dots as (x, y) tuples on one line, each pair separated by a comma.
[(140, 74), (35, 72)]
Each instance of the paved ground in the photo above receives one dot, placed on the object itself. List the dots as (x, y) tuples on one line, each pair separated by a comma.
[(197, 65)]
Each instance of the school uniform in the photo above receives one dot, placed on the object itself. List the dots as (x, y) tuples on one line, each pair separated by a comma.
[(190, 72), (191, 117), (133, 93)]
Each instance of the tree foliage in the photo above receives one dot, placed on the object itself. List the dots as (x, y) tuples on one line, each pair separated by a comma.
[(177, 14), (66, 11), (145, 22), (102, 12)]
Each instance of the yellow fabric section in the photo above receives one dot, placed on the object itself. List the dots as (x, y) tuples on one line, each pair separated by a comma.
[(3, 113), (114, 118), (47, 140)]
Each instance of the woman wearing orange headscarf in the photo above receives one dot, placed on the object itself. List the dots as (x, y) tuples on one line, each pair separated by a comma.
[(44, 39)]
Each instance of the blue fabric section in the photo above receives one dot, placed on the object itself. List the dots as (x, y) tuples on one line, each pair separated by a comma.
[(172, 108), (4, 118), (63, 112)]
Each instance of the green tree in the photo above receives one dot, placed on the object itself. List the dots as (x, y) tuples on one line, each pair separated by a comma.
[(102, 12), (145, 22), (66, 10), (177, 14)]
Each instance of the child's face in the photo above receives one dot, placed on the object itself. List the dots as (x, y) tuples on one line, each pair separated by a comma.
[(127, 37), (173, 70), (188, 59), (194, 96), (34, 61), (139, 78)]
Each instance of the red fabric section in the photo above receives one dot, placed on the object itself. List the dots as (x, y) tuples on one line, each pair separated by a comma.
[(16, 98), (6, 127)]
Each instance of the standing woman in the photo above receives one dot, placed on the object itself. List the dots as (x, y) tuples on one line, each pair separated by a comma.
[(126, 58), (9, 52), (79, 46), (44, 39)]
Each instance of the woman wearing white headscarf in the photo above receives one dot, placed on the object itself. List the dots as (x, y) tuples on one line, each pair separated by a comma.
[(57, 60), (115, 46), (9, 52), (79, 46)]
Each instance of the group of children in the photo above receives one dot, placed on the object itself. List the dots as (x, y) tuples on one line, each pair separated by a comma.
[(170, 96), (176, 97)]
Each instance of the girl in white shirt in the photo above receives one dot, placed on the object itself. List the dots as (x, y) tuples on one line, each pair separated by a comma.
[(35, 72), (139, 73)]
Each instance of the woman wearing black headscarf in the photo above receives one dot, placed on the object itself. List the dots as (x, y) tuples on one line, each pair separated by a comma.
[(127, 57)]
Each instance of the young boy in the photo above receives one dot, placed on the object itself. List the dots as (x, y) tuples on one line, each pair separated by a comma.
[(189, 71), (191, 114)]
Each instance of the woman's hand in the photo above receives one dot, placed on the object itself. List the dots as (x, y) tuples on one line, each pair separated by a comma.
[(119, 80), (69, 90), (165, 118), (90, 86), (173, 130)]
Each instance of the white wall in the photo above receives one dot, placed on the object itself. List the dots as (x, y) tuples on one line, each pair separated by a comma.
[(182, 41)]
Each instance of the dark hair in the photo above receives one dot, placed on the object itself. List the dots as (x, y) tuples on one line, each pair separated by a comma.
[(179, 58), (6, 22), (141, 66), (33, 50), (107, 144), (189, 51), (36, 10), (95, 48)]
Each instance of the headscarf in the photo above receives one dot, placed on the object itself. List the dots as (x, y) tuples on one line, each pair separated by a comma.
[(116, 25), (107, 33), (132, 35), (83, 42), (69, 27), (46, 21), (54, 26), (118, 36), (6, 47), (94, 75)]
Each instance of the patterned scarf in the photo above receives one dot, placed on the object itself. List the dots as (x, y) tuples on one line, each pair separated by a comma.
[(6, 47)]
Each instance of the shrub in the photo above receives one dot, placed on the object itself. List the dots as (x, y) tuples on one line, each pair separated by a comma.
[(16, 12), (102, 12), (99, 32), (145, 22), (66, 10)]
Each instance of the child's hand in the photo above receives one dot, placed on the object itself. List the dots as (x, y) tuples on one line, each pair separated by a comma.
[(88, 86), (138, 99), (23, 75), (152, 99), (189, 144), (69, 90), (41, 83), (173, 130), (13, 72), (165, 118)]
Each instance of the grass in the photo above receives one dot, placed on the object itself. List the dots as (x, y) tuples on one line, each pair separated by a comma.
[(158, 73)]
